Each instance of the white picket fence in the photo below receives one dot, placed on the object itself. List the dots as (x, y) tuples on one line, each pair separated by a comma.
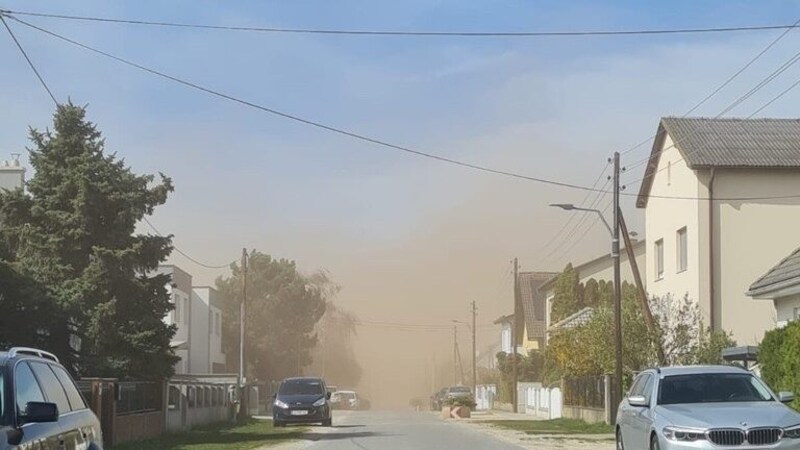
[(484, 396), (540, 401)]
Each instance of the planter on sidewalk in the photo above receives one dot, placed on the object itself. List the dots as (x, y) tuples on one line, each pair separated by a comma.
[(456, 412)]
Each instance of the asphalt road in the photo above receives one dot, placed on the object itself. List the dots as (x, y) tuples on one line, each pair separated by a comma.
[(389, 430)]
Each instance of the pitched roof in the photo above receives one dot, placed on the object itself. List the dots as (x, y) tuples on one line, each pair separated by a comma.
[(534, 303), (573, 321), (726, 142), (785, 274)]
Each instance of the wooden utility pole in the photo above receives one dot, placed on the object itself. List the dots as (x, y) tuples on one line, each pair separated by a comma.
[(242, 380), (514, 374), (642, 294), (455, 356), (474, 350), (617, 396)]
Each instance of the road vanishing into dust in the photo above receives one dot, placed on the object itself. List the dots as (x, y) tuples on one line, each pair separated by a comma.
[(394, 430)]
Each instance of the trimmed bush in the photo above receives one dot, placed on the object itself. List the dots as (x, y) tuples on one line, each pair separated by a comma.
[(779, 357)]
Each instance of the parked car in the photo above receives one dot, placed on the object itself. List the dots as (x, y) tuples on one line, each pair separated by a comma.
[(345, 400), (705, 407), (40, 405), (437, 399), (458, 392), (302, 400)]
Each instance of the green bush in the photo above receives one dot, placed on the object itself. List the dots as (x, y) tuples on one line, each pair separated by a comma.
[(460, 401), (779, 356)]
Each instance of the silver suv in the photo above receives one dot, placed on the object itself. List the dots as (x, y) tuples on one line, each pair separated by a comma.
[(705, 407)]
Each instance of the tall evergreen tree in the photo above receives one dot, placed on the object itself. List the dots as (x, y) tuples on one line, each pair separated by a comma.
[(74, 233)]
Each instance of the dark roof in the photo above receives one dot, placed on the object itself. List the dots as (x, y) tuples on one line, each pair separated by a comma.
[(726, 143), (785, 274), (534, 303)]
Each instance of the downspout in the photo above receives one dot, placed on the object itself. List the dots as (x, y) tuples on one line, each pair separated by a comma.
[(711, 290)]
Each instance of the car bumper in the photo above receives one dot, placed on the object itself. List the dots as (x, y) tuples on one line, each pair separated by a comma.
[(295, 415), (783, 444)]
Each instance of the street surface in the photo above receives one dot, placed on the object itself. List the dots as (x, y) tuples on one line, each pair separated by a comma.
[(393, 430)]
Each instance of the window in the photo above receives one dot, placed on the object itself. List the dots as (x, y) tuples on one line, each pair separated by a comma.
[(659, 259), (218, 326), (185, 310), (73, 394), (177, 316), (51, 386), (712, 388), (683, 259), (27, 389)]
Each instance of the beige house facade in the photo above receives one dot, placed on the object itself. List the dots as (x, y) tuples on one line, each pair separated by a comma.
[(722, 205)]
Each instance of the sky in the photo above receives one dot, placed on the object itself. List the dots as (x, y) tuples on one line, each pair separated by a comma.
[(410, 239)]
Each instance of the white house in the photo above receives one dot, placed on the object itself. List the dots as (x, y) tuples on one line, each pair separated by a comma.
[(206, 346), (12, 174), (781, 284), (505, 323), (180, 290), (721, 207)]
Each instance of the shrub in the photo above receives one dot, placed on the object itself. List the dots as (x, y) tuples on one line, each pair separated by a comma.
[(779, 356), (460, 401)]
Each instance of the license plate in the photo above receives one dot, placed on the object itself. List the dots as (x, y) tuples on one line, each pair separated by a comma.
[(300, 412)]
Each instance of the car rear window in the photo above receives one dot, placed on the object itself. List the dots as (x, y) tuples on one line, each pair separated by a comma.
[(301, 387), (73, 394), (711, 388), (51, 386), (460, 389)]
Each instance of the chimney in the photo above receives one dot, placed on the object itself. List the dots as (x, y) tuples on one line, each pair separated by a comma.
[(12, 174)]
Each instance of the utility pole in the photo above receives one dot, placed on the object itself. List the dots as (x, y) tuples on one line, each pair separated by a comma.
[(514, 374), (455, 355), (242, 391), (617, 294), (474, 350), (433, 375)]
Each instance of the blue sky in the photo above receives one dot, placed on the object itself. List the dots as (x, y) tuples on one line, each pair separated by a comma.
[(397, 231)]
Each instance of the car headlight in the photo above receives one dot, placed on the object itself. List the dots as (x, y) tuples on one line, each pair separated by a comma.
[(320, 402), (792, 432), (684, 434), (280, 404)]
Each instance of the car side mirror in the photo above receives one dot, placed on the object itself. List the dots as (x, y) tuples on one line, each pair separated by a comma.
[(786, 397), (328, 396), (40, 412), (638, 400)]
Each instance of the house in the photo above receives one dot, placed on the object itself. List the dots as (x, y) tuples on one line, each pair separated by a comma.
[(533, 305), (601, 268), (487, 358), (506, 323), (206, 346), (12, 174), (721, 207), (180, 291), (781, 284)]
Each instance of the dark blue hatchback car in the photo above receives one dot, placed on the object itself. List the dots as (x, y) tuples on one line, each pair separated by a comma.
[(302, 400), (40, 405)]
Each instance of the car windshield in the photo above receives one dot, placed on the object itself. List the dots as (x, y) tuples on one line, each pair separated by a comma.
[(460, 390), (347, 395), (301, 387), (711, 388)]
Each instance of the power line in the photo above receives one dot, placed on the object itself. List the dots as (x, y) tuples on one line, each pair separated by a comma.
[(309, 122), (27, 58), (354, 135), (577, 33), (182, 253), (724, 84)]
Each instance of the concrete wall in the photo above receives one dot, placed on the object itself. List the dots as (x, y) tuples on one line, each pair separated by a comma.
[(590, 415), (12, 175), (200, 344), (750, 238), (664, 217), (784, 307)]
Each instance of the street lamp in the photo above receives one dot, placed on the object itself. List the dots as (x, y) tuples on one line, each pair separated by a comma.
[(617, 292)]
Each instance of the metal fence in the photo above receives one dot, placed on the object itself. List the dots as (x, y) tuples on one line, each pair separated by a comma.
[(589, 392), (138, 396)]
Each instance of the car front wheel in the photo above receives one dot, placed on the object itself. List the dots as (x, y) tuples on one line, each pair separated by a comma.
[(654, 443), (620, 445)]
